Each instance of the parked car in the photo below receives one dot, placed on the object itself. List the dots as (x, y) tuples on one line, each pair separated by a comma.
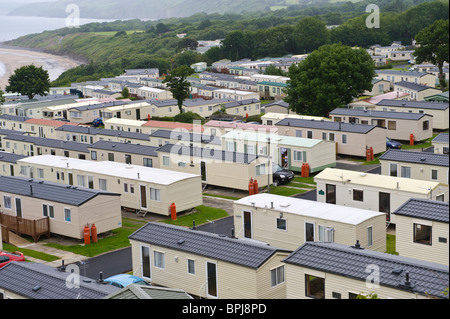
[(123, 280), (393, 144), (6, 257), (281, 175), (97, 122)]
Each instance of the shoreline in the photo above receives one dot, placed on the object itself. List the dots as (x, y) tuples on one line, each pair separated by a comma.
[(12, 58)]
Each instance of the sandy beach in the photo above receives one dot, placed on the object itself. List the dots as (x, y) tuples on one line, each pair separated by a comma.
[(11, 59)]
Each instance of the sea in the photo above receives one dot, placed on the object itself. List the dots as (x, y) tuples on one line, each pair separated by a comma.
[(12, 27)]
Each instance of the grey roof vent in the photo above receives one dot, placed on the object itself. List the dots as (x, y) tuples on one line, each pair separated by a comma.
[(357, 245), (180, 242), (397, 271), (36, 288)]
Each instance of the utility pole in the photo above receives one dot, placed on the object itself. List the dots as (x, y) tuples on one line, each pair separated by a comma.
[(268, 168)]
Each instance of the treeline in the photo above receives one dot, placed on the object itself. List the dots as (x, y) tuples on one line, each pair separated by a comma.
[(253, 35)]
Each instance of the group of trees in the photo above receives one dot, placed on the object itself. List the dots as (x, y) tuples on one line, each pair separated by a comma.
[(333, 75), (273, 34)]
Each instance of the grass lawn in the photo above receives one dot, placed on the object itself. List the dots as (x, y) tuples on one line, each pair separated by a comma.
[(425, 144), (117, 239), (306, 180), (390, 244), (221, 196), (30, 253), (285, 191), (201, 215)]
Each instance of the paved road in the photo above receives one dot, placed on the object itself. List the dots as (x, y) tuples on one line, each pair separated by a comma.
[(110, 264)]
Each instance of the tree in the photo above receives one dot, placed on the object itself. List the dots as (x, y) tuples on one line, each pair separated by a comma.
[(30, 81), (310, 34), (2, 99), (178, 84), (125, 93), (329, 77), (433, 47)]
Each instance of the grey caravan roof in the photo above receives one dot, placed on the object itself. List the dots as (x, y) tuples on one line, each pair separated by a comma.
[(232, 250), (50, 142), (414, 104), (102, 131), (187, 136), (379, 114), (39, 281), (425, 209), (327, 125), (125, 148), (426, 278), (441, 138), (425, 158), (208, 153), (55, 192), (10, 157)]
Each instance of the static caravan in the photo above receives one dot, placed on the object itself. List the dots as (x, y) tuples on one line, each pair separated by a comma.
[(439, 110), (142, 188), (271, 118), (90, 135), (219, 128), (335, 271), (289, 222), (69, 209), (370, 103), (151, 126), (44, 128), (48, 282), (207, 265), (399, 125), (127, 153), (184, 138), (31, 146), (13, 122), (8, 163), (126, 125), (441, 144), (416, 77), (416, 165), (375, 192), (277, 107), (351, 139), (417, 92), (422, 230), (217, 167), (287, 151)]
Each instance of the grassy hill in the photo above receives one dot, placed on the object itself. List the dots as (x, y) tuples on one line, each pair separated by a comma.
[(145, 9)]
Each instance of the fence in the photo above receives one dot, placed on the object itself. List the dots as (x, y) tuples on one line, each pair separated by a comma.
[(22, 226)]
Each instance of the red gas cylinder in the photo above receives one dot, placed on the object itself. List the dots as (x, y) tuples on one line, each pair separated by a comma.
[(255, 186), (87, 238), (148, 117), (372, 156), (411, 139), (173, 211), (94, 233), (251, 187), (367, 154), (303, 170), (306, 170)]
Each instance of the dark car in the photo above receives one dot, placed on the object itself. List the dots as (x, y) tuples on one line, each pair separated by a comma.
[(393, 144), (281, 175), (97, 122)]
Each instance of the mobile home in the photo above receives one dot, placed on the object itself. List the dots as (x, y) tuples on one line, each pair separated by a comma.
[(289, 222), (141, 188), (69, 209), (375, 192), (422, 230), (207, 265)]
